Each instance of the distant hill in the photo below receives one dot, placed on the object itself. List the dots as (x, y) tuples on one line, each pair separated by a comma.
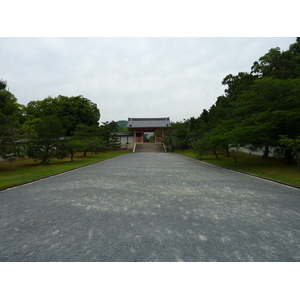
[(122, 123)]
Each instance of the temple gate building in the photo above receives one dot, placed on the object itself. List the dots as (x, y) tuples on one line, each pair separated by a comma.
[(154, 126)]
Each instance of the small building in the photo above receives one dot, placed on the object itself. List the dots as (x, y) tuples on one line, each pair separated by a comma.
[(126, 140), (141, 126)]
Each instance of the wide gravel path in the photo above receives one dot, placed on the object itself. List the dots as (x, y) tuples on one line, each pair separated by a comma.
[(150, 207)]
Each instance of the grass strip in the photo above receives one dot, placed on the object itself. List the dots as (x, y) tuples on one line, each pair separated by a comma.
[(26, 170), (271, 168)]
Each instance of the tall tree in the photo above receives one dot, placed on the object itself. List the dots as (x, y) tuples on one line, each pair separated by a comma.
[(292, 145), (72, 111), (10, 118), (268, 108), (107, 129), (44, 139), (89, 137)]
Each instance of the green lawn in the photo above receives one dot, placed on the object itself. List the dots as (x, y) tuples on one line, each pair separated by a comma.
[(25, 170), (272, 168)]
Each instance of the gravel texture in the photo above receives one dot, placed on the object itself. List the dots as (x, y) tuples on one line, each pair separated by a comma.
[(150, 207)]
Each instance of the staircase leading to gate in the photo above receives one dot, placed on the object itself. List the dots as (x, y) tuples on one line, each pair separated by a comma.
[(149, 147)]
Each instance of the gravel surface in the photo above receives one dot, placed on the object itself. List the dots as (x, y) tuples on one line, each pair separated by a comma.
[(150, 207)]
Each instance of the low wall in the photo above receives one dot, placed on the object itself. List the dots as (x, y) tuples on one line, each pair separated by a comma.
[(127, 146)]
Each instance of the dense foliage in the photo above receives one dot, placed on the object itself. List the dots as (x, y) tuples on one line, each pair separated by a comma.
[(54, 127), (256, 110), (10, 119)]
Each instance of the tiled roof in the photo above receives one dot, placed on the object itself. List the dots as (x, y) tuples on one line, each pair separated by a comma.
[(148, 122)]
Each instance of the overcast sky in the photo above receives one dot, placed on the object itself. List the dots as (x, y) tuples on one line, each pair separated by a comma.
[(130, 77)]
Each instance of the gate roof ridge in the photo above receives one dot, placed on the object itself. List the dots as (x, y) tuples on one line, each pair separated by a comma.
[(148, 122)]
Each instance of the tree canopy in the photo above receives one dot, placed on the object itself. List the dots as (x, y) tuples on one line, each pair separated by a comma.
[(72, 111), (10, 118), (256, 109)]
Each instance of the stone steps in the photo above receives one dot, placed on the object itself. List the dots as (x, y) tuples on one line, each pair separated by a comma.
[(149, 147)]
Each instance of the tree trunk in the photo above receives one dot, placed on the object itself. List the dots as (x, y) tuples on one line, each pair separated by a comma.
[(227, 151), (216, 155), (298, 160), (288, 156), (266, 152), (234, 158)]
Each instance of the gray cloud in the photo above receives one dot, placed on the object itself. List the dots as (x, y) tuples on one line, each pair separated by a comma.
[(130, 77)]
